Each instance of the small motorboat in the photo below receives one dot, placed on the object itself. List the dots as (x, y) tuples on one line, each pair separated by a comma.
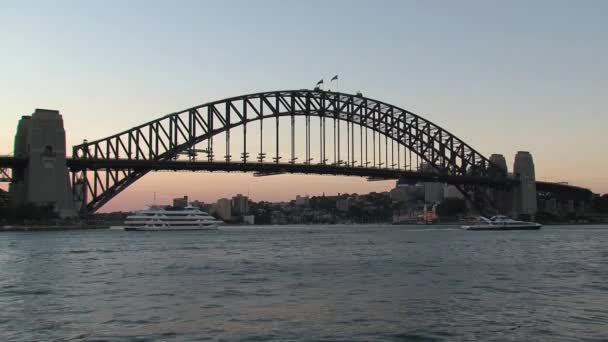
[(501, 222)]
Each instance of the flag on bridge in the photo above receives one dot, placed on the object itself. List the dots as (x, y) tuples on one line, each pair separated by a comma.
[(334, 78), (320, 82)]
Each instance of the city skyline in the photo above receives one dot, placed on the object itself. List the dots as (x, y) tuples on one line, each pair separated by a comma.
[(536, 87)]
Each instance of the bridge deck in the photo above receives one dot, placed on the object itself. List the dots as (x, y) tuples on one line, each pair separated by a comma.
[(280, 168), (10, 161)]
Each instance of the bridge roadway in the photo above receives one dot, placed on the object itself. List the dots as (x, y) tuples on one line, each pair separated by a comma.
[(10, 162), (281, 168)]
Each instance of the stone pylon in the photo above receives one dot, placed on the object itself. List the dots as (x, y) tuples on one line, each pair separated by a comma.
[(41, 139), (524, 203), (502, 197)]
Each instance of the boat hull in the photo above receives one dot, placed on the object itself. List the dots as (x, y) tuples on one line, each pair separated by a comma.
[(150, 229), (501, 228)]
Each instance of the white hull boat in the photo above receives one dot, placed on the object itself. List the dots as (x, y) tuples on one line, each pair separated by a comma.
[(170, 219), (500, 223)]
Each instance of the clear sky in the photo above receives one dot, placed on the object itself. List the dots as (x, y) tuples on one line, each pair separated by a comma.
[(502, 75)]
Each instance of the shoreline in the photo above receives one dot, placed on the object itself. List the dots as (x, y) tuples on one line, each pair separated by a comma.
[(55, 228), (49, 227)]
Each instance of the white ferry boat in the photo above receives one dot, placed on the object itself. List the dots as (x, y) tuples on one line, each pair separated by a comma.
[(500, 222), (167, 219)]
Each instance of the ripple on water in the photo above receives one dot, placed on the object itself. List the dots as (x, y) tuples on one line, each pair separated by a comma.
[(338, 284), (414, 337), (78, 251), (28, 292)]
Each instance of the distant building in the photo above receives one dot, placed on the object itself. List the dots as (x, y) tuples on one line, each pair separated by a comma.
[(248, 219), (223, 209), (450, 191), (399, 194), (551, 206), (433, 192), (180, 202), (404, 192), (302, 201), (570, 206), (277, 217), (240, 205), (343, 204)]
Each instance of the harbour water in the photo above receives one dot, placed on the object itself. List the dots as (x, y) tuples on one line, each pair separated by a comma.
[(305, 283)]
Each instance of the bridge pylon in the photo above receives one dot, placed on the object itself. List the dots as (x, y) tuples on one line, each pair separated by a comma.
[(502, 197), (40, 139), (524, 196)]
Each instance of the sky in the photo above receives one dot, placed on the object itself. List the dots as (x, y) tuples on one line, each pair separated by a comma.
[(504, 76)]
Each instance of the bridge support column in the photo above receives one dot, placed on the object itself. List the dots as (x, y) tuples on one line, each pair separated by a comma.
[(17, 189), (503, 198), (524, 203), (41, 139)]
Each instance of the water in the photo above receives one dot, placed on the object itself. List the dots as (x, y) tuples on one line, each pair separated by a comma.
[(305, 283)]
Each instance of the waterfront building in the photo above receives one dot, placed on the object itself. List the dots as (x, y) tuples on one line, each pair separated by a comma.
[(405, 192), (223, 209), (248, 219), (302, 201), (551, 206), (240, 205), (451, 191), (180, 202), (570, 206), (342, 204), (433, 192), (201, 205)]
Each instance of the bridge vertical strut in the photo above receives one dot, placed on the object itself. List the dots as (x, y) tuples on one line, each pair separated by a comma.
[(245, 154), (293, 130)]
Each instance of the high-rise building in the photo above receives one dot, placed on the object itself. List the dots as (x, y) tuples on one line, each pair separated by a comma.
[(180, 202), (240, 205), (223, 209)]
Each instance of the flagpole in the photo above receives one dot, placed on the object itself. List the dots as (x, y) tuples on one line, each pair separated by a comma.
[(337, 79)]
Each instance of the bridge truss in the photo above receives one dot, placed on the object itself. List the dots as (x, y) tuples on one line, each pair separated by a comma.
[(307, 131), (5, 174)]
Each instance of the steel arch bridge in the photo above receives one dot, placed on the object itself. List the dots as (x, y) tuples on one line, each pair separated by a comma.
[(367, 138)]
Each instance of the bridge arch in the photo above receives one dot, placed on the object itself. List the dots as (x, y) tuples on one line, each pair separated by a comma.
[(168, 137)]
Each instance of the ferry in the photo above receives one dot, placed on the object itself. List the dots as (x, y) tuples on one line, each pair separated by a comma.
[(500, 223), (169, 219)]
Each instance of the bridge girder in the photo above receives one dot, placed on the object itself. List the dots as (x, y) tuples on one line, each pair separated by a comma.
[(164, 139)]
